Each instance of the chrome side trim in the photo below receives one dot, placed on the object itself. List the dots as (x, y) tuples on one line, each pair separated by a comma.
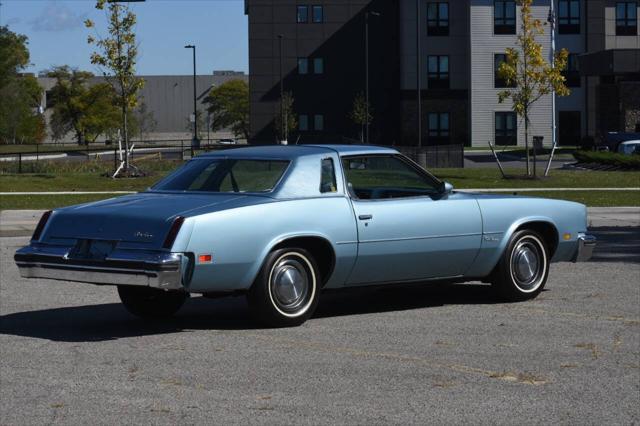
[(586, 244)]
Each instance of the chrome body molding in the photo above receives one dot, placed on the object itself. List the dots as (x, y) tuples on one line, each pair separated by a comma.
[(586, 245)]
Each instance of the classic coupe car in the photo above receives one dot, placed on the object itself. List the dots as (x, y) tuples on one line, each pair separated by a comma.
[(282, 223)]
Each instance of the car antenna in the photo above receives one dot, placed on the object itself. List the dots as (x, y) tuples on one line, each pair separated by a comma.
[(297, 140)]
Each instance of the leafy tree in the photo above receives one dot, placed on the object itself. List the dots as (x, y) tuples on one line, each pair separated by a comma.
[(360, 114), (291, 120), (87, 110), (14, 55), (116, 55), (530, 74), (229, 107), (20, 94)]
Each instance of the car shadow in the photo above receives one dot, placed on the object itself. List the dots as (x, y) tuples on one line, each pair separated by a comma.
[(110, 321)]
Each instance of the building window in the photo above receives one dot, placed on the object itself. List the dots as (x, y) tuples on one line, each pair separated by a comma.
[(318, 66), (438, 72), (327, 176), (498, 81), (302, 15), (303, 66), (627, 18), (438, 19), (438, 128), (303, 122), (318, 14), (504, 17), (572, 73), (318, 122), (569, 16), (506, 128)]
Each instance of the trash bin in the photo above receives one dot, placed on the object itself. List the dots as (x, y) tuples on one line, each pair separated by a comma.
[(537, 142)]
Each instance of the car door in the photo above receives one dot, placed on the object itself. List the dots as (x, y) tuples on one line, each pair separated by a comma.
[(408, 229)]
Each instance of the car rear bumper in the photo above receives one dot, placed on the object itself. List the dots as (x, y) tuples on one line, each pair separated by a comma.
[(158, 270), (586, 244)]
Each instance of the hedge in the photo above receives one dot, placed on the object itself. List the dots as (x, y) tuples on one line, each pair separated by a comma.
[(608, 159)]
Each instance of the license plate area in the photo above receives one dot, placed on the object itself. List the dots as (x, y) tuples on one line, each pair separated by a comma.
[(92, 249)]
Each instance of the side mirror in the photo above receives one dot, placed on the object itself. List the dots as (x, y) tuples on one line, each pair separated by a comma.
[(447, 188)]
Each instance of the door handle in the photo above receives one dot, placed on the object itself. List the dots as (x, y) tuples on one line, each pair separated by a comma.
[(365, 217)]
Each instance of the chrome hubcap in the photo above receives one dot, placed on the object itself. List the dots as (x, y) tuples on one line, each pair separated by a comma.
[(289, 284), (526, 265)]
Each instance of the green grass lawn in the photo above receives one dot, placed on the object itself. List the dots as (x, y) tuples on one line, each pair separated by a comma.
[(89, 177), (491, 178)]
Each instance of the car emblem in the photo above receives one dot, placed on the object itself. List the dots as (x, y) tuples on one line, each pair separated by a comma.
[(140, 234)]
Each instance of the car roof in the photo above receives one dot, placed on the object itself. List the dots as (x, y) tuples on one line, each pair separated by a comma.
[(633, 142), (289, 152)]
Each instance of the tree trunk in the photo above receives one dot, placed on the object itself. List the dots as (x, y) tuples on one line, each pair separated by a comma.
[(526, 137), (125, 133)]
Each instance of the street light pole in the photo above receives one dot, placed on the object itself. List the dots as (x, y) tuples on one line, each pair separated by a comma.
[(366, 71), (552, 24), (283, 118), (195, 108), (418, 72)]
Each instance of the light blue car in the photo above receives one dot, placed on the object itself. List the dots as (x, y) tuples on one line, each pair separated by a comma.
[(282, 223)]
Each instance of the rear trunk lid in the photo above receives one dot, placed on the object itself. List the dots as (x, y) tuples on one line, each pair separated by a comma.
[(142, 219)]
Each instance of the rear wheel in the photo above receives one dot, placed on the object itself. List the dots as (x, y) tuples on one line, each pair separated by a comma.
[(146, 302), (524, 267), (286, 291)]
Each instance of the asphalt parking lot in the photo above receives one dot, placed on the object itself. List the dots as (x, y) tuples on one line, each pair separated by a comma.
[(70, 354)]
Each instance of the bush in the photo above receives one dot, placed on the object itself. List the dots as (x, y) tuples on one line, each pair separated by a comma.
[(608, 159)]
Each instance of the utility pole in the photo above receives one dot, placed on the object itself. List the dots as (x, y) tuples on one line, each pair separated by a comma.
[(418, 72), (195, 140), (366, 70)]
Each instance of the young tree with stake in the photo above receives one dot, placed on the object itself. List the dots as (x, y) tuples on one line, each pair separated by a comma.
[(117, 55), (530, 74)]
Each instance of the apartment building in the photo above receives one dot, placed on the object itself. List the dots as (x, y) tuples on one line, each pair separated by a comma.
[(452, 52)]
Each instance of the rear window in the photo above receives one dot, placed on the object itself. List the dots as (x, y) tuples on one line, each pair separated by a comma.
[(225, 175)]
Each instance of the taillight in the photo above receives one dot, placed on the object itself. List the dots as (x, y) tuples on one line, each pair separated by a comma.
[(40, 227), (173, 232)]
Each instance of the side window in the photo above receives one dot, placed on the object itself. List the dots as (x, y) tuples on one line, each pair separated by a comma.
[(328, 176), (386, 176)]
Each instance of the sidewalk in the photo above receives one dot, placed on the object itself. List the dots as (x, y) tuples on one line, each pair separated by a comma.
[(17, 223)]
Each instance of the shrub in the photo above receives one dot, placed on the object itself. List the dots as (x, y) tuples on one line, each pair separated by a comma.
[(608, 159)]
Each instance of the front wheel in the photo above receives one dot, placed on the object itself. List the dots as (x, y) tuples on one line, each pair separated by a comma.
[(524, 267), (286, 291), (146, 302)]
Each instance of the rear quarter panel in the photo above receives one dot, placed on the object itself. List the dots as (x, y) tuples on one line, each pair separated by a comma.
[(503, 215), (239, 239)]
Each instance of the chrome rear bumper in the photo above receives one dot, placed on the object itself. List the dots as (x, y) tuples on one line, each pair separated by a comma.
[(586, 244), (158, 270)]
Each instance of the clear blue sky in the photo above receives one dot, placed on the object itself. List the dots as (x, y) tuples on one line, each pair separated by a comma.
[(57, 35)]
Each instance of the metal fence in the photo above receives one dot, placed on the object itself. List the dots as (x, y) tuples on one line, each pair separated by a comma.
[(27, 161), (37, 159), (435, 156)]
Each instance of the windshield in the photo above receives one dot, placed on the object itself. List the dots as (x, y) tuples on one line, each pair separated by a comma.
[(224, 175)]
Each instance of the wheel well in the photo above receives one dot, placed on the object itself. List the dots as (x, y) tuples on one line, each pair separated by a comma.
[(320, 249), (547, 231)]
